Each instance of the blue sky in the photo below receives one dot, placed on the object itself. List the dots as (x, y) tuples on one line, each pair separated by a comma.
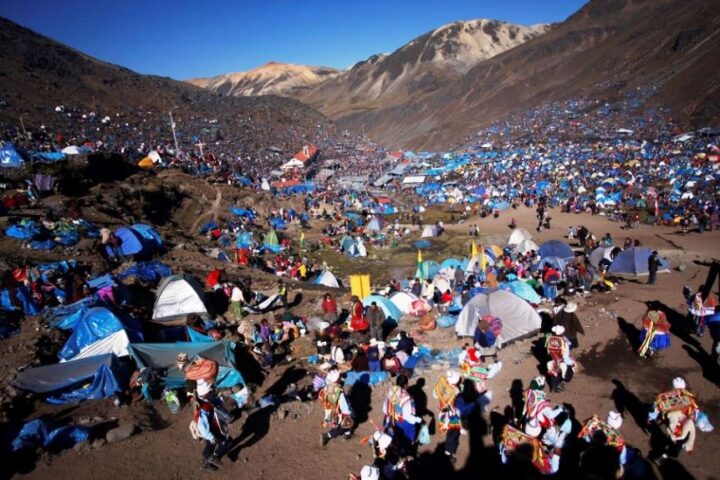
[(184, 39)]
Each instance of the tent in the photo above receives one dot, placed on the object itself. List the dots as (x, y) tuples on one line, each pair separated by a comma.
[(556, 262), (140, 239), (177, 297), (441, 282), (634, 261), (518, 235), (71, 150), (9, 157), (89, 378), (518, 317), (354, 248), (430, 231), (600, 253), (326, 278), (403, 301), (271, 241), (376, 224), (390, 310), (526, 246), (163, 356), (555, 248), (522, 290), (99, 331)]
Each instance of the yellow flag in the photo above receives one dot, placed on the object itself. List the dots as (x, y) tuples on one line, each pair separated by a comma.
[(473, 250), (420, 257), (483, 260)]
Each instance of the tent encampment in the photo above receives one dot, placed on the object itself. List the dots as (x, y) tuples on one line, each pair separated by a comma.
[(326, 278), (403, 301), (518, 235), (555, 248), (390, 310), (163, 356), (518, 317), (634, 261), (522, 290), (100, 331), (139, 240), (177, 297), (9, 157), (89, 378)]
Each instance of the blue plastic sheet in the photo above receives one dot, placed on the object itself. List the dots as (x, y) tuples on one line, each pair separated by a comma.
[(149, 272), (45, 434), (97, 323), (367, 378)]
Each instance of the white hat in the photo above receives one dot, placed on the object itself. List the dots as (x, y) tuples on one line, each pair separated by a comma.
[(532, 428), (333, 376), (373, 342), (323, 325), (558, 329), (453, 377), (382, 440), (614, 419), (369, 472), (679, 383), (571, 307)]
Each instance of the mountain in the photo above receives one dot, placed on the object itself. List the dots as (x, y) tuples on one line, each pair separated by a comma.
[(608, 49), (422, 66), (273, 78), (38, 74)]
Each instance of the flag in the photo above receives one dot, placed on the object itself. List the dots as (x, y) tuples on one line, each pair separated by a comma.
[(420, 273), (473, 250)]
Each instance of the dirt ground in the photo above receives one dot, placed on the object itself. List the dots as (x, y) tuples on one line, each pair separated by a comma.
[(283, 442)]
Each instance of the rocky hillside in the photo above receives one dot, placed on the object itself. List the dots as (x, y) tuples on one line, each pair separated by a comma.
[(273, 78)]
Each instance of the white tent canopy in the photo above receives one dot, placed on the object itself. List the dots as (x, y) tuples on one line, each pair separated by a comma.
[(430, 231), (518, 235), (328, 279), (177, 297), (526, 246), (518, 317), (116, 343), (403, 300)]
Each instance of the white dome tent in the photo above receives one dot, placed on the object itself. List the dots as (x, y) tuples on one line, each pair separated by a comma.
[(177, 297)]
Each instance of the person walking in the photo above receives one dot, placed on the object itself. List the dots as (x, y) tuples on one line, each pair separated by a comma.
[(653, 265), (375, 318)]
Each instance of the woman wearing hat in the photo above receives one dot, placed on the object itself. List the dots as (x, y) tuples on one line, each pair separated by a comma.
[(338, 415), (655, 334), (453, 407), (560, 367), (568, 319)]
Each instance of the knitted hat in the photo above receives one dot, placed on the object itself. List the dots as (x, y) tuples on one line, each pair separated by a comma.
[(538, 383), (382, 440)]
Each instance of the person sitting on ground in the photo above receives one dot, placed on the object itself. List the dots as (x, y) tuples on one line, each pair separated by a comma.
[(485, 339), (329, 308)]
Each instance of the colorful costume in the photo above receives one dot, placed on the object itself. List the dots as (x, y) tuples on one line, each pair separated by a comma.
[(560, 366), (452, 408), (537, 406), (337, 413), (399, 410), (678, 409), (655, 334)]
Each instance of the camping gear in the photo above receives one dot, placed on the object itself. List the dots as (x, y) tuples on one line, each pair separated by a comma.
[(177, 297), (519, 319), (46, 434)]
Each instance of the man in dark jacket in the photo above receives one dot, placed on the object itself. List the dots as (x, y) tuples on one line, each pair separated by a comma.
[(569, 320), (653, 265), (375, 318)]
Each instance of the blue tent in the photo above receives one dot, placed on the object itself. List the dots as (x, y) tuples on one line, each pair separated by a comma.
[(244, 240), (149, 235), (555, 248), (451, 263), (522, 290), (96, 324), (49, 157), (68, 382), (375, 225), (634, 261), (557, 262), (65, 317), (9, 157), (391, 311), (163, 356)]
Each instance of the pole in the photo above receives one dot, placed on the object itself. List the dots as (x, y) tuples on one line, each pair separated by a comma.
[(22, 126), (172, 125)]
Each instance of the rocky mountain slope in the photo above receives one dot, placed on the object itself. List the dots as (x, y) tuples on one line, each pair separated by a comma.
[(273, 78)]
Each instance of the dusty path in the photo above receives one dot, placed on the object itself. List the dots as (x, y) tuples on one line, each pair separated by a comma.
[(214, 211)]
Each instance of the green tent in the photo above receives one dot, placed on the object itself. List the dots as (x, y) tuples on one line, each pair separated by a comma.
[(271, 238)]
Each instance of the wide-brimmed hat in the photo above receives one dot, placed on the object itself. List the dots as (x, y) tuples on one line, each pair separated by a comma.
[(382, 440), (571, 307), (653, 315), (533, 428), (679, 383), (614, 419), (369, 472), (333, 376), (453, 377)]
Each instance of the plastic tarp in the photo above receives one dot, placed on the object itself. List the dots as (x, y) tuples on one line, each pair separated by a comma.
[(9, 157), (328, 279), (43, 433), (62, 377), (149, 235), (390, 310), (634, 261), (555, 248), (48, 157), (163, 356), (518, 235), (518, 317), (100, 331), (146, 271), (177, 297)]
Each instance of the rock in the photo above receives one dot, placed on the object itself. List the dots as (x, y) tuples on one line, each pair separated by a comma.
[(99, 443), (123, 432), (282, 414), (82, 446)]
